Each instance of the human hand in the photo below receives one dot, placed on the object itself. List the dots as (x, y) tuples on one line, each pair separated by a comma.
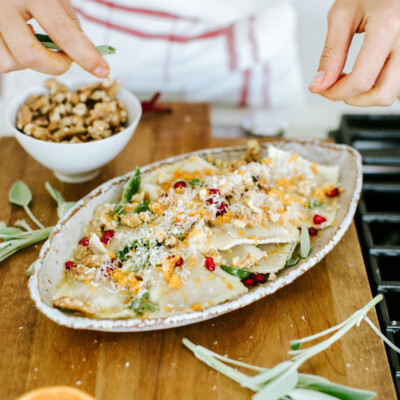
[(19, 49), (375, 78)]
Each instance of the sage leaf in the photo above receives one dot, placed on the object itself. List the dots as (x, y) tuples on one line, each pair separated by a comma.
[(142, 207), (279, 387), (47, 42), (305, 245), (142, 304), (131, 187), (20, 194), (62, 205), (238, 272), (314, 204), (341, 392), (305, 394)]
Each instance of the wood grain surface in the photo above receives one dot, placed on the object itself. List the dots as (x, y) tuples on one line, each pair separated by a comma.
[(36, 352)]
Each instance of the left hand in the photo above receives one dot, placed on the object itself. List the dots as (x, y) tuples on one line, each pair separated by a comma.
[(375, 78)]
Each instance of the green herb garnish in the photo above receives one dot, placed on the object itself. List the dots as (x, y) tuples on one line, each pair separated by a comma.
[(21, 235), (305, 245), (20, 195), (122, 254), (62, 205), (47, 42), (142, 207), (66, 311), (195, 182), (238, 272), (131, 187), (142, 304), (315, 204), (118, 210), (283, 381)]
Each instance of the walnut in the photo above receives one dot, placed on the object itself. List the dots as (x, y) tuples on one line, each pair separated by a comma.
[(172, 241), (24, 116), (131, 220), (82, 273), (100, 129), (40, 133), (253, 150), (54, 86), (93, 260), (80, 109), (90, 113)]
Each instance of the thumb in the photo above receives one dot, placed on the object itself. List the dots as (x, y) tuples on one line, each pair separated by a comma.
[(337, 43)]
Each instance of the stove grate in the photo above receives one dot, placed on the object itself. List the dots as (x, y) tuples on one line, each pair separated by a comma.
[(377, 138)]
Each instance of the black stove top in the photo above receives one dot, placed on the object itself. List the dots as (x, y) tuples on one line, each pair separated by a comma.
[(377, 138)]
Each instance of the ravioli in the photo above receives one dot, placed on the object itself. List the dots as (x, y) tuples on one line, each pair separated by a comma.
[(197, 233)]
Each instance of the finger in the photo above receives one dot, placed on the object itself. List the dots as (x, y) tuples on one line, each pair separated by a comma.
[(378, 42), (341, 28), (387, 87), (67, 35), (7, 62), (69, 10), (26, 49)]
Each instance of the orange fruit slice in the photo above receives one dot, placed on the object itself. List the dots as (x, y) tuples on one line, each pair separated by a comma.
[(56, 393)]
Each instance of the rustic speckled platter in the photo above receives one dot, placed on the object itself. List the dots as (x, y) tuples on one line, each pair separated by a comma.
[(50, 265)]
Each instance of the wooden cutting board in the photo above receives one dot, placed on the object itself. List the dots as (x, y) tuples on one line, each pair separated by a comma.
[(36, 352)]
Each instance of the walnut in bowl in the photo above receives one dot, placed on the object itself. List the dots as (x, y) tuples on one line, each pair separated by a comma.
[(92, 112), (74, 132)]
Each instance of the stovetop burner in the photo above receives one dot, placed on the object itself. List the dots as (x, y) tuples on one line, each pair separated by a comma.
[(377, 138)]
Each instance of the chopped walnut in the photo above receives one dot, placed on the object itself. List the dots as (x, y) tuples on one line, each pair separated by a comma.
[(93, 260), (24, 116), (253, 150), (90, 113), (82, 273), (131, 220)]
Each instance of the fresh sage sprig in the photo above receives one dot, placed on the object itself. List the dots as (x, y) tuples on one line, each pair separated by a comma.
[(131, 187), (62, 205), (20, 195), (21, 235), (283, 381), (241, 273), (47, 42)]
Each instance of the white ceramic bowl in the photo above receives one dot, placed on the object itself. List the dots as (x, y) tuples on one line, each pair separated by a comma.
[(76, 162)]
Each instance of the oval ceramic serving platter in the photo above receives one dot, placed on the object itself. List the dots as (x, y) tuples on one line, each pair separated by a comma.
[(49, 268)]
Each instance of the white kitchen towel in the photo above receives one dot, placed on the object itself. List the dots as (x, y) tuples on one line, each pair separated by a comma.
[(240, 53)]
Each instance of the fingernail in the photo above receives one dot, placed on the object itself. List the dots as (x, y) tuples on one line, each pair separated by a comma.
[(101, 72), (318, 78)]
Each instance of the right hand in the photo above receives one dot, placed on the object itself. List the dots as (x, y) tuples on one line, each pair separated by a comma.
[(19, 49)]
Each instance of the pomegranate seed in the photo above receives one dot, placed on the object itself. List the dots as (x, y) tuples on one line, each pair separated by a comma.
[(70, 265), (209, 263), (318, 219), (210, 201), (179, 262), (257, 277), (180, 184), (107, 236), (84, 242), (249, 281), (164, 195), (215, 191), (222, 209), (312, 231), (333, 193)]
